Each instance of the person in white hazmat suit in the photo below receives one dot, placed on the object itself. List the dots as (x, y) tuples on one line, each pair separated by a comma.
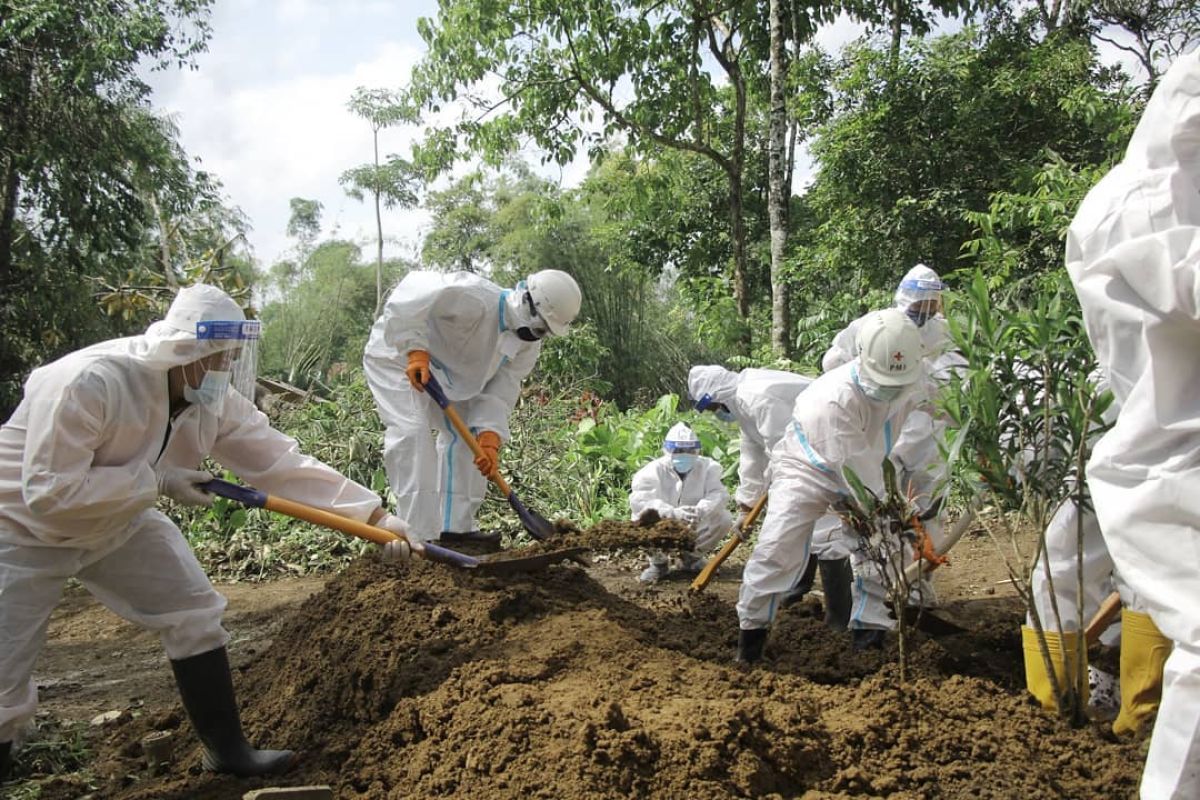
[(760, 401), (100, 435), (1133, 255), (480, 341), (683, 485), (914, 451), (838, 421)]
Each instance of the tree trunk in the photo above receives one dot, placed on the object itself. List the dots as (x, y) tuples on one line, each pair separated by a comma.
[(378, 236), (736, 172), (897, 33), (777, 195)]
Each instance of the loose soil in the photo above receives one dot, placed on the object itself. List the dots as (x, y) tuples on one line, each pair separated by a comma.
[(572, 683)]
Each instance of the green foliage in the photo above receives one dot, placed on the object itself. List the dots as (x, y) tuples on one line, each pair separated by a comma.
[(610, 447), (915, 147), (322, 313), (1027, 405), (88, 175)]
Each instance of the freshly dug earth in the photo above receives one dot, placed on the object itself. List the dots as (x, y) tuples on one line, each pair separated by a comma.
[(427, 682), (610, 534)]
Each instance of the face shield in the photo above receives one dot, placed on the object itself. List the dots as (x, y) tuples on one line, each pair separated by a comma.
[(922, 311), (232, 364)]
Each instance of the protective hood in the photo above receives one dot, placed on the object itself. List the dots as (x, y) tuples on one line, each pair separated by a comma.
[(717, 384), (681, 437), (172, 342), (1169, 131), (919, 283)]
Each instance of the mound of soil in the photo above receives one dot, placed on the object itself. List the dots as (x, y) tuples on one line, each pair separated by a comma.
[(665, 534), (428, 682)]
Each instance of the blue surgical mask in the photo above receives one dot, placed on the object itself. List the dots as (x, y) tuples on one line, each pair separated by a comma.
[(683, 462), (724, 414), (211, 393)]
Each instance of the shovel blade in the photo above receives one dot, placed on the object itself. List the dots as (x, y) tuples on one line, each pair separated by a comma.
[(514, 566), (538, 526)]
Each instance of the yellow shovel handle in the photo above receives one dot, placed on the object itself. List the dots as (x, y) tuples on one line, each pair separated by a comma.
[(714, 564)]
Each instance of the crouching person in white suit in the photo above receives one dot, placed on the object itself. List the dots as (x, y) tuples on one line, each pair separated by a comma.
[(683, 485)]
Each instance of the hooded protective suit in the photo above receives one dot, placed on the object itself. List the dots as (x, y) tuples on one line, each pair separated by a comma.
[(761, 401), (834, 425), (78, 463), (468, 326), (1133, 254)]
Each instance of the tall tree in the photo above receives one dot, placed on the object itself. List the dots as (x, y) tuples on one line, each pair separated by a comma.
[(390, 183), (1160, 30), (652, 71)]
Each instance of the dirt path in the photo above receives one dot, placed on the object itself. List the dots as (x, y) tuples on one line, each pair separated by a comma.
[(584, 684)]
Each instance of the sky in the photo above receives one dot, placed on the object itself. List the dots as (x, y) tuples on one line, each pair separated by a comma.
[(264, 109)]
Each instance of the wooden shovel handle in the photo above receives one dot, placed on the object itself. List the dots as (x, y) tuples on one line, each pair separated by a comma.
[(1104, 617), (714, 564), (439, 396)]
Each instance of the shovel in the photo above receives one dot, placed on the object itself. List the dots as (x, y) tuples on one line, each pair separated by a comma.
[(738, 537), (253, 498), (538, 526)]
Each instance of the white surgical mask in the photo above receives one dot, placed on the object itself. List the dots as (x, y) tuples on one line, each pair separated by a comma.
[(211, 393), (683, 462), (874, 391)]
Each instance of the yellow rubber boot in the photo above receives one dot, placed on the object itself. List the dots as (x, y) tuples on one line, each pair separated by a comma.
[(1037, 681), (1144, 650)]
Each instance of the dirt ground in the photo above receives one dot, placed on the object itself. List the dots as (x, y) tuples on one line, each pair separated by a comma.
[(580, 683)]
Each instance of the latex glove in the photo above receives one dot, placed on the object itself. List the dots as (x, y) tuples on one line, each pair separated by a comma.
[(418, 369), (687, 515), (743, 512), (489, 462), (396, 551), (179, 484)]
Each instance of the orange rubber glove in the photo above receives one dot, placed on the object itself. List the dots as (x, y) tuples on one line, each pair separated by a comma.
[(489, 461), (418, 369)]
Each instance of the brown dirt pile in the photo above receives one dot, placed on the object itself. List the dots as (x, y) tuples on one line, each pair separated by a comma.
[(611, 534), (433, 683)]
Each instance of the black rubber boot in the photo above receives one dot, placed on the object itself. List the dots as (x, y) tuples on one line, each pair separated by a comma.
[(750, 644), (5, 760), (206, 687), (795, 595), (836, 578), (475, 541), (867, 638)]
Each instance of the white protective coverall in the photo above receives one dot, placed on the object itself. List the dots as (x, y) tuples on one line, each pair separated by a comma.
[(834, 425), (761, 401), (468, 325), (659, 487), (1133, 254), (78, 489)]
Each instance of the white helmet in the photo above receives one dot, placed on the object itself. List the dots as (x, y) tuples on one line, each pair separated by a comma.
[(556, 298), (681, 438), (889, 348)]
